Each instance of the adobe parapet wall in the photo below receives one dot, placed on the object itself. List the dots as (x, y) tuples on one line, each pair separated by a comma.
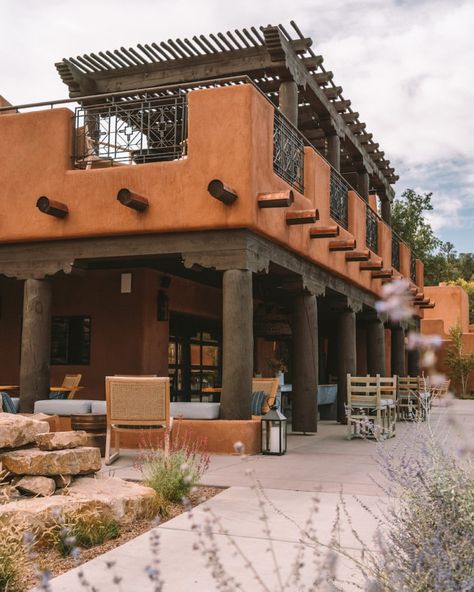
[(230, 137)]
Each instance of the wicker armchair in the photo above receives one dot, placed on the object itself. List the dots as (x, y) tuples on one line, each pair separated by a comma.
[(134, 403), (270, 387), (68, 389)]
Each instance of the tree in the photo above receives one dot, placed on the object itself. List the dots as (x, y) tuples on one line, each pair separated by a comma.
[(459, 363), (409, 222)]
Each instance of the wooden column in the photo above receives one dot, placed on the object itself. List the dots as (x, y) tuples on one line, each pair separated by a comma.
[(386, 210), (347, 357), (35, 343), (304, 405), (237, 362), (398, 351), (334, 151), (363, 184), (376, 348), (288, 100), (414, 355)]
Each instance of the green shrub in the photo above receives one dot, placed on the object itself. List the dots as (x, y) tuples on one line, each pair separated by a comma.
[(12, 558), (84, 531), (174, 471)]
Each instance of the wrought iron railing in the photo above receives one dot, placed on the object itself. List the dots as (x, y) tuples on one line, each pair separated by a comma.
[(131, 130), (413, 266), (371, 230), (338, 199), (395, 251), (288, 152)]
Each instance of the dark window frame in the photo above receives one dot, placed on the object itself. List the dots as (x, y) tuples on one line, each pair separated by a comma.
[(75, 354)]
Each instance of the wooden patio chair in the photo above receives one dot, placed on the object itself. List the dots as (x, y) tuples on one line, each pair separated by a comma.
[(134, 403), (388, 395), (366, 412), (68, 389), (270, 387), (439, 390), (411, 404)]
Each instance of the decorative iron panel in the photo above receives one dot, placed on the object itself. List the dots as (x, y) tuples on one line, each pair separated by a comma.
[(371, 230), (288, 153), (395, 252), (131, 130), (338, 199), (413, 266)]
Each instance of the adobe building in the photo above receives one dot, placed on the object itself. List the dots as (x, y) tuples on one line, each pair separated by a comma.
[(452, 309), (195, 208)]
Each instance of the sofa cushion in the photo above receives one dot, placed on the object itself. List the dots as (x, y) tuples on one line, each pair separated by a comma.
[(16, 402), (99, 407), (7, 403), (258, 398), (188, 410), (63, 406)]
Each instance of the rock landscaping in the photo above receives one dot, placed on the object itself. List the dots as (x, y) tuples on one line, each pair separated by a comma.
[(43, 473)]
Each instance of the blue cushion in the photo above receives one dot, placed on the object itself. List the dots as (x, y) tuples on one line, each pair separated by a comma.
[(258, 398), (8, 405), (63, 406), (59, 394), (99, 407), (16, 403)]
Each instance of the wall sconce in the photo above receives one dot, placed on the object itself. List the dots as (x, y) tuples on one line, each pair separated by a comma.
[(51, 207), (222, 192), (132, 200), (162, 307), (125, 283)]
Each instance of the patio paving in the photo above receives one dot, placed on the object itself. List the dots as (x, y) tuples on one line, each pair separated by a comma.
[(325, 463)]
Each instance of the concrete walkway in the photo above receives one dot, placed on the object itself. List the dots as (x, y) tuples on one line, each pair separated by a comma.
[(326, 463)]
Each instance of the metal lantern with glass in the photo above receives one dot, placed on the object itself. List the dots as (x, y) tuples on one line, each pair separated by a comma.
[(274, 432)]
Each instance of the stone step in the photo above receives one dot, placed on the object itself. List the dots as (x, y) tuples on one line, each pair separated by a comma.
[(61, 440), (76, 461)]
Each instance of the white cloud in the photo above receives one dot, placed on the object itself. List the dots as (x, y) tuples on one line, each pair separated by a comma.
[(407, 66)]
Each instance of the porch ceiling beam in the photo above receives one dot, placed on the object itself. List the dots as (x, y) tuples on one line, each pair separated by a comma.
[(236, 249)]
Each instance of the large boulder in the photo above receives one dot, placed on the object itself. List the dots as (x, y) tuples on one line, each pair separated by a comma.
[(122, 500), (38, 486), (18, 430), (61, 440), (77, 461)]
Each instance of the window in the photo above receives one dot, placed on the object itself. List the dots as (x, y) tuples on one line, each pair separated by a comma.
[(70, 340)]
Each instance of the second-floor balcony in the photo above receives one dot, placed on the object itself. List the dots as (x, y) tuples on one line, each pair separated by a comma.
[(167, 145)]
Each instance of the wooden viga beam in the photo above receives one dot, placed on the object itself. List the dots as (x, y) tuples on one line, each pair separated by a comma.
[(132, 200), (371, 265), (221, 192), (354, 256), (281, 199), (429, 305), (324, 231), (51, 207), (382, 274), (343, 245), (302, 217)]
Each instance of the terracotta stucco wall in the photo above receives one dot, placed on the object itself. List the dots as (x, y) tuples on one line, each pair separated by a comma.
[(230, 138), (126, 337)]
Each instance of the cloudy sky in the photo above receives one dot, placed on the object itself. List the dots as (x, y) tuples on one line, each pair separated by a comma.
[(407, 66)]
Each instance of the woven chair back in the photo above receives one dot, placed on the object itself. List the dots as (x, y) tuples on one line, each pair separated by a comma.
[(71, 381), (138, 400), (270, 387)]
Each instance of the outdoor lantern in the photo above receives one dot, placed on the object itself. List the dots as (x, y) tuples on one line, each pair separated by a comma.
[(274, 432)]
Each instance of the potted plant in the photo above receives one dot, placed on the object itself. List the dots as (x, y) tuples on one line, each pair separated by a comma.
[(278, 368)]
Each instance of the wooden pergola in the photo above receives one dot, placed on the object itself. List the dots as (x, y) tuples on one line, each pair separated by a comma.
[(282, 65)]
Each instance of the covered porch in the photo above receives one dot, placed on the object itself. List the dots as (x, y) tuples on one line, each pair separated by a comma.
[(222, 290)]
